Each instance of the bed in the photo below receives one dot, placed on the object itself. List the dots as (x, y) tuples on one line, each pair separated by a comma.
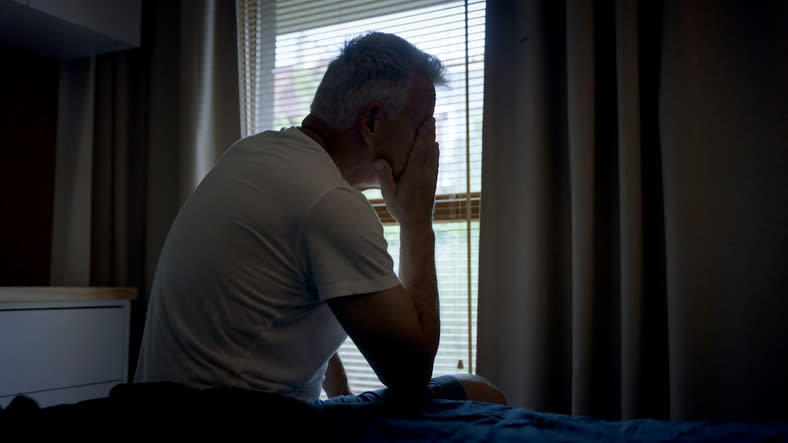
[(133, 411)]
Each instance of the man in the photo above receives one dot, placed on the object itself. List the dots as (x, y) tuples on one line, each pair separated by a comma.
[(277, 256)]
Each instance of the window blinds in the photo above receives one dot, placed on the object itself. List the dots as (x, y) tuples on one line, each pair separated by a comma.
[(284, 48)]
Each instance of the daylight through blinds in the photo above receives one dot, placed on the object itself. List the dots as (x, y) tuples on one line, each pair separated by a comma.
[(284, 48)]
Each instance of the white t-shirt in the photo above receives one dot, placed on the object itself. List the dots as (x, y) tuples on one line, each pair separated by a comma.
[(270, 234)]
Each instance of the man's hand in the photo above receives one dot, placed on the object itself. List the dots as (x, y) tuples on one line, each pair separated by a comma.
[(410, 198)]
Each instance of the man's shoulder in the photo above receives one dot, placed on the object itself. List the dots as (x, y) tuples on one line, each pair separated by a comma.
[(290, 135)]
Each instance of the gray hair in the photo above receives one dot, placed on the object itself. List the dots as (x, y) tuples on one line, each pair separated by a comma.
[(372, 66)]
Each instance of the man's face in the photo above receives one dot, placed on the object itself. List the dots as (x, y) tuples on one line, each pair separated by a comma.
[(396, 140)]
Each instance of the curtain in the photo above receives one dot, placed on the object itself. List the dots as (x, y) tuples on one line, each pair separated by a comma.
[(633, 227), (137, 131)]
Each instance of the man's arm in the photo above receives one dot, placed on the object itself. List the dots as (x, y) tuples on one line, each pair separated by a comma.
[(398, 330), (335, 382)]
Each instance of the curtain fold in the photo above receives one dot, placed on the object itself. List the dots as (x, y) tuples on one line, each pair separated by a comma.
[(633, 216), (153, 122), (524, 278), (723, 109), (70, 262)]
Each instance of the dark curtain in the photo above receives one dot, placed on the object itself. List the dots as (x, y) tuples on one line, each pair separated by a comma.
[(150, 122), (633, 222)]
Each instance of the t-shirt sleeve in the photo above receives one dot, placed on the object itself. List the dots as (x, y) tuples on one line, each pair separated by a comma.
[(344, 247)]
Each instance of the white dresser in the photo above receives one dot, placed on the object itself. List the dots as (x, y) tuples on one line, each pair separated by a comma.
[(63, 344)]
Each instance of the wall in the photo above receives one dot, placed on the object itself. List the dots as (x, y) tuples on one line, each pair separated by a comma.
[(28, 122)]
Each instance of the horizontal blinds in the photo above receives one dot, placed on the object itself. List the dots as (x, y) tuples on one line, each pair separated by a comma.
[(284, 48), (305, 15)]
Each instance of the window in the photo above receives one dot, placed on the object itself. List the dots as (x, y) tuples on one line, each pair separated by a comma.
[(284, 48)]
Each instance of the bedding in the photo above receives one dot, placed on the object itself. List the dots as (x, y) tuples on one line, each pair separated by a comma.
[(134, 411)]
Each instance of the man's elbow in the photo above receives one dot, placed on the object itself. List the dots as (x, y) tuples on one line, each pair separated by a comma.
[(408, 375)]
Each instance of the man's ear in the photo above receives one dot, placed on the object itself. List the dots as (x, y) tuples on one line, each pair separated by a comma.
[(369, 121)]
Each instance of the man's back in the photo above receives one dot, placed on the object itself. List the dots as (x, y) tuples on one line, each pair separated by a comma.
[(238, 295)]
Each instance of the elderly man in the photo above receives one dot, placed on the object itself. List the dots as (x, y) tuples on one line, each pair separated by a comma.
[(277, 257)]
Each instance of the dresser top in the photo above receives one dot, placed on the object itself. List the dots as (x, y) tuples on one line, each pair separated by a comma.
[(17, 294)]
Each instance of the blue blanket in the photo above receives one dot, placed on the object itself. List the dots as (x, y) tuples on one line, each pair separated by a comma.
[(142, 411), (464, 421)]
